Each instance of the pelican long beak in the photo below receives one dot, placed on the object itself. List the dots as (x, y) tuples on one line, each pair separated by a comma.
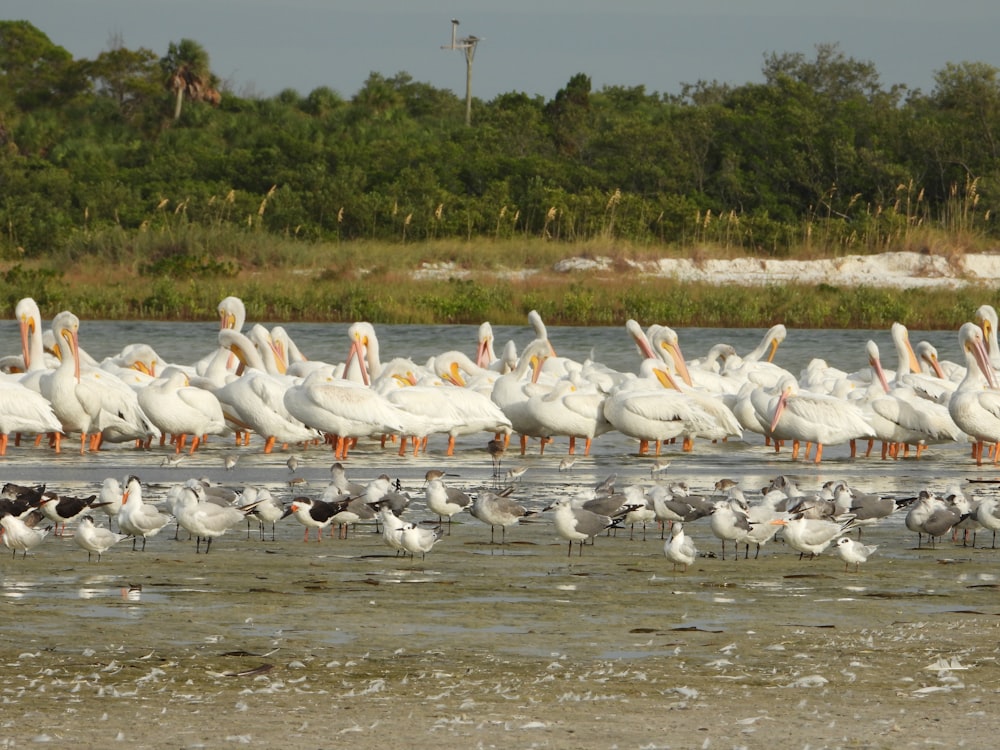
[(357, 350), (983, 360), (936, 366), (665, 378), (454, 375), (483, 353), (876, 365), (675, 353), (775, 343), (27, 326), (782, 402)]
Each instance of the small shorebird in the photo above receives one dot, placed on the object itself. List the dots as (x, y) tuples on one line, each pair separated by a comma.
[(851, 551), (95, 538), (292, 463)]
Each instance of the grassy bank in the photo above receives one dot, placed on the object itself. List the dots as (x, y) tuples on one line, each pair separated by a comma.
[(183, 276)]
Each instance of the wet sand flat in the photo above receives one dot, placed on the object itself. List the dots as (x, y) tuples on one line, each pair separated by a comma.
[(514, 645)]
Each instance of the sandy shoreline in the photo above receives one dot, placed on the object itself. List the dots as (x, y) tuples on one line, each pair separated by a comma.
[(315, 645)]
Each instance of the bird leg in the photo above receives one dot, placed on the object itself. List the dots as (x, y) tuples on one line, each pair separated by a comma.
[(819, 452)]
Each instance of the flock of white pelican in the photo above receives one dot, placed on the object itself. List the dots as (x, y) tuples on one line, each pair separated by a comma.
[(260, 383)]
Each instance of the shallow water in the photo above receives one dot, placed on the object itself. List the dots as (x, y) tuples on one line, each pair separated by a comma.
[(516, 644)]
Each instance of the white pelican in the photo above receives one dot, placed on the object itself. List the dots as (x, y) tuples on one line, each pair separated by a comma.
[(652, 408), (181, 410), (572, 408), (986, 319), (813, 418), (485, 355), (342, 409), (975, 404), (512, 391), (899, 416), (75, 402), (255, 400)]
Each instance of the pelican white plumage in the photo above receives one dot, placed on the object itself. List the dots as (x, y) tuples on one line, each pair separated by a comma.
[(975, 404), (343, 409), (986, 319), (573, 408), (181, 410), (813, 418), (512, 391), (652, 408)]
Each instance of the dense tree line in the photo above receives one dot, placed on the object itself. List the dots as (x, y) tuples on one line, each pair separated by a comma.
[(819, 155)]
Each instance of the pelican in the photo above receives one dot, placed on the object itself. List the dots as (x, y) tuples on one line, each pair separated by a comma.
[(181, 410), (813, 418), (572, 408), (343, 409), (986, 319), (652, 408), (975, 404), (512, 391)]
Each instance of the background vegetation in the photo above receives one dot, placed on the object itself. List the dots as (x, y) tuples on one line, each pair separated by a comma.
[(136, 185)]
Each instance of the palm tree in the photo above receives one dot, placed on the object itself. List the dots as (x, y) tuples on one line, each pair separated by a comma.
[(189, 74)]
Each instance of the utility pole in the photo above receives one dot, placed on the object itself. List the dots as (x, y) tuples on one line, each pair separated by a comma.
[(468, 45)]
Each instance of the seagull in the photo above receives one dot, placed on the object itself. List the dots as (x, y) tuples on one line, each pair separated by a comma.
[(416, 539), (851, 551), (264, 507), (579, 524), (202, 518), (137, 518), (443, 500), (95, 538), (19, 535), (810, 536), (680, 549), (392, 528), (498, 510)]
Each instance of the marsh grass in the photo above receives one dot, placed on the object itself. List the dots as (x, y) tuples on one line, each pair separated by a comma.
[(183, 273)]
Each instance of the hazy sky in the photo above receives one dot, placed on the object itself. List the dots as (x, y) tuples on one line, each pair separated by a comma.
[(534, 46)]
